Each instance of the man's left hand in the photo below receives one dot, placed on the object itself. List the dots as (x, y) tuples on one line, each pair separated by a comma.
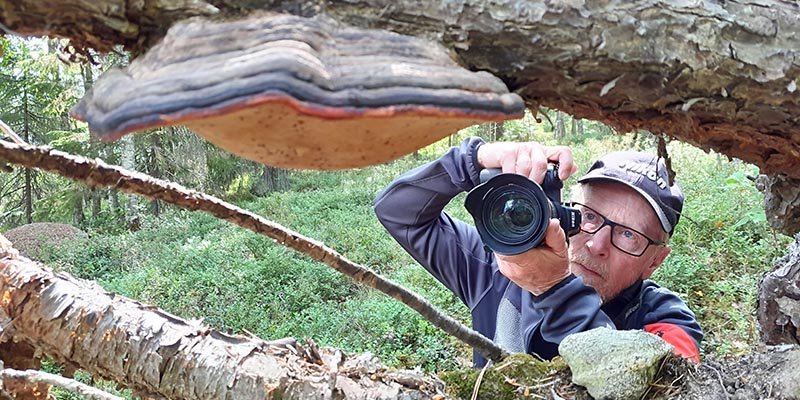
[(539, 269)]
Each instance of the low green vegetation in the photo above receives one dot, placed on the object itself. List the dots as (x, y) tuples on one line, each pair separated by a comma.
[(195, 266)]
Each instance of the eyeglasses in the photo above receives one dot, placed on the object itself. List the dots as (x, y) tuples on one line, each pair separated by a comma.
[(628, 240)]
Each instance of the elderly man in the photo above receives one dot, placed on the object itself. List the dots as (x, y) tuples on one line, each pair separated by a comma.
[(529, 302)]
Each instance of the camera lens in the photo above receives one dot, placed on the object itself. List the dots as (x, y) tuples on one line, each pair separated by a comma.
[(512, 217), (511, 212)]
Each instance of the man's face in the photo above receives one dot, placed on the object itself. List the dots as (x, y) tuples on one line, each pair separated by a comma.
[(592, 256)]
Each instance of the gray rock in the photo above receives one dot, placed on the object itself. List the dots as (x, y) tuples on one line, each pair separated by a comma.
[(613, 364), (785, 380)]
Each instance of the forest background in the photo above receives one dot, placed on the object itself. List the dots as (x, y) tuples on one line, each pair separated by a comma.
[(196, 266)]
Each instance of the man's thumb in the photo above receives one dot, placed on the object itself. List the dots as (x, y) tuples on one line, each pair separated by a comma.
[(555, 238)]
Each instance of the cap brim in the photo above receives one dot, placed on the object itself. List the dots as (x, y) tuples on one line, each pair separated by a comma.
[(653, 204)]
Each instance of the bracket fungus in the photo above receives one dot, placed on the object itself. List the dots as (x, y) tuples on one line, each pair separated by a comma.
[(297, 92)]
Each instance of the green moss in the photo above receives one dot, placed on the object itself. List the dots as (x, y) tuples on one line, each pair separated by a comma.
[(508, 379)]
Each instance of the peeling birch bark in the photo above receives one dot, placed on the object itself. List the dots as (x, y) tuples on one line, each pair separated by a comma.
[(159, 354), (97, 173)]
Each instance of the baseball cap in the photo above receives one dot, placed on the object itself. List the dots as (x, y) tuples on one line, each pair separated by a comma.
[(645, 173)]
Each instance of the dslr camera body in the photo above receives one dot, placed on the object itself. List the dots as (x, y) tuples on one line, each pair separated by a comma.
[(512, 212)]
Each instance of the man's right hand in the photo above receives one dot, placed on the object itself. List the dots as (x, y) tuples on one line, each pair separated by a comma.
[(540, 268), (527, 158)]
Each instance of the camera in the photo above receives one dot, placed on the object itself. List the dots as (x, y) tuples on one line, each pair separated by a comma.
[(511, 212)]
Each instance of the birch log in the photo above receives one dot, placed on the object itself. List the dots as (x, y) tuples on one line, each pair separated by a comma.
[(159, 354)]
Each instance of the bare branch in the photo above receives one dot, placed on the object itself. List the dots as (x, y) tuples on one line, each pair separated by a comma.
[(71, 385), (10, 133), (97, 173), (543, 113)]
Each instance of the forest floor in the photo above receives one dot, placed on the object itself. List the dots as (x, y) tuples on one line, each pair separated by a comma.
[(772, 373)]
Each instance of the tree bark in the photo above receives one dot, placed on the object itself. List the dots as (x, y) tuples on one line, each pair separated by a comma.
[(560, 129), (717, 75), (96, 173), (154, 169), (499, 130), (26, 134), (113, 199), (21, 355), (778, 309), (128, 160), (96, 196), (271, 180), (158, 354), (100, 25), (77, 208), (781, 202), (573, 127)]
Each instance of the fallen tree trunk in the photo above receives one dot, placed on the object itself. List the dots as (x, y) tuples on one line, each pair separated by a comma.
[(158, 354), (97, 173), (717, 75)]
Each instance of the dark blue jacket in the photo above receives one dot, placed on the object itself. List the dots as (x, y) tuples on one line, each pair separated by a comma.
[(411, 209)]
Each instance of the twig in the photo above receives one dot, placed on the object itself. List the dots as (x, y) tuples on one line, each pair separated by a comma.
[(96, 173), (8, 31), (721, 382), (10, 133), (555, 395), (654, 384), (675, 380), (662, 152), (477, 387), (547, 117), (71, 385)]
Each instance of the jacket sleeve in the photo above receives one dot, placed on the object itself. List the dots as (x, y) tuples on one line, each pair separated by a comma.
[(569, 307), (411, 210), (670, 318)]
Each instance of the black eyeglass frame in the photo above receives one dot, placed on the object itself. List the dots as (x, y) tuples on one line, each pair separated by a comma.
[(612, 224)]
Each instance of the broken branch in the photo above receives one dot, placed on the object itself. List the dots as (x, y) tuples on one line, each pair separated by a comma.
[(97, 173), (71, 385)]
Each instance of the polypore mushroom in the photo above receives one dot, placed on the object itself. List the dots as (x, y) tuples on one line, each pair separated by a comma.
[(297, 92)]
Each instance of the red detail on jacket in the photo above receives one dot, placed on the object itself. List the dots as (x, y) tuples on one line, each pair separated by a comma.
[(677, 337)]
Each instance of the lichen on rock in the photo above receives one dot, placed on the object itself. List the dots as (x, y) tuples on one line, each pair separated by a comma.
[(614, 364)]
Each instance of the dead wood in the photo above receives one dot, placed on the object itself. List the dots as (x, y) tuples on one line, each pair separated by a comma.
[(159, 354), (293, 92), (778, 310), (97, 173), (719, 75)]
